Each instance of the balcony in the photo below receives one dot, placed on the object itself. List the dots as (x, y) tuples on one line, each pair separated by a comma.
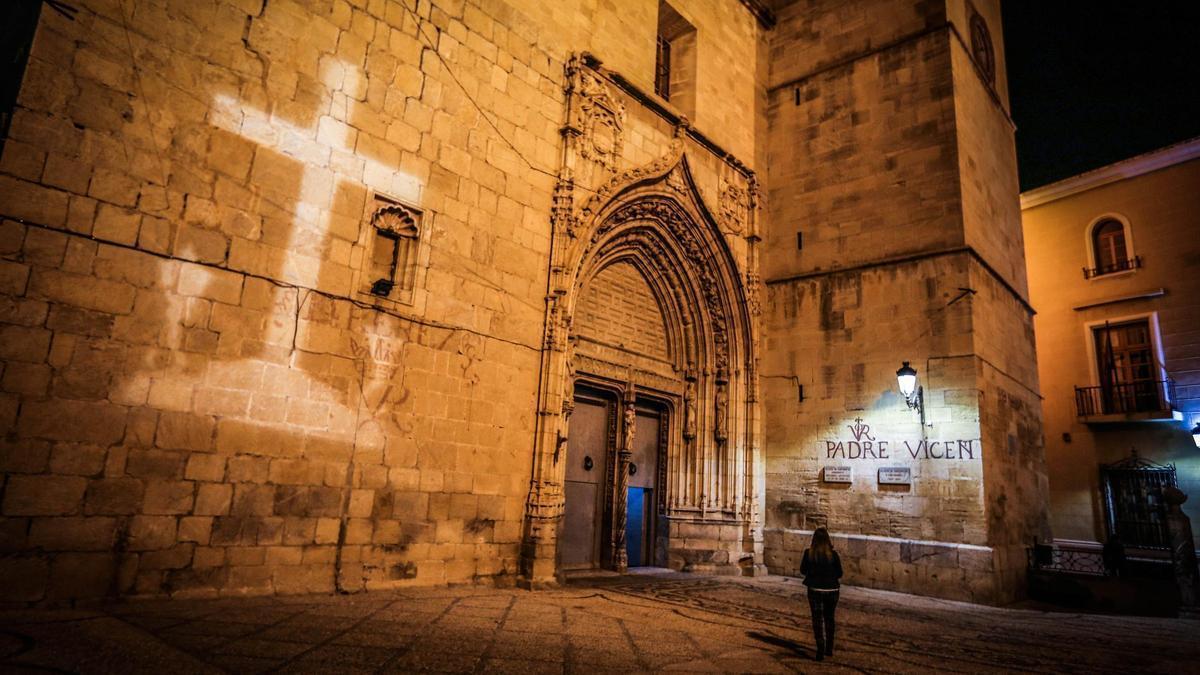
[(1119, 266), (1144, 401)]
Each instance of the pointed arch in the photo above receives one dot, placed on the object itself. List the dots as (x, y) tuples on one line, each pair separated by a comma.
[(654, 219)]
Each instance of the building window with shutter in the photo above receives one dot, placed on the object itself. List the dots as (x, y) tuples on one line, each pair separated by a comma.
[(1111, 251)]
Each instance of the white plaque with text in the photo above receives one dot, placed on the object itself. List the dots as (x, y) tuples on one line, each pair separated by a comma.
[(838, 474), (895, 475)]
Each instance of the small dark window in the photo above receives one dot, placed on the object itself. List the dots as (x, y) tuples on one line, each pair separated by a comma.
[(393, 265), (675, 60), (662, 69), (981, 48)]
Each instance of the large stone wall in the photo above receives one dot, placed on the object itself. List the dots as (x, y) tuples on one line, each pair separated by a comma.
[(894, 237), (201, 396)]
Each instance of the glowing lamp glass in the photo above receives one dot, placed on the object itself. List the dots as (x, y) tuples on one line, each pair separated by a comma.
[(906, 377)]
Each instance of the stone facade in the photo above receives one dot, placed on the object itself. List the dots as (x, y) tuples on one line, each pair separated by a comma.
[(1153, 196), (299, 296)]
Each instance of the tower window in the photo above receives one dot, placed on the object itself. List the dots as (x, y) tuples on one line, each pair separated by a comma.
[(675, 60), (981, 48), (662, 69)]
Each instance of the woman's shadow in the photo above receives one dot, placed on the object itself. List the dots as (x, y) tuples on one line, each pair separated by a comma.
[(771, 638)]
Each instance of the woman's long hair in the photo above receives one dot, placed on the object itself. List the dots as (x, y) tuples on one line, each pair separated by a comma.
[(821, 548)]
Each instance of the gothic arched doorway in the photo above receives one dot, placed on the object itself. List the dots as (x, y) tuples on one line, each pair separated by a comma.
[(649, 343)]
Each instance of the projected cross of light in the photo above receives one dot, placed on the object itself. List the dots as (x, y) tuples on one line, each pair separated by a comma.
[(329, 155)]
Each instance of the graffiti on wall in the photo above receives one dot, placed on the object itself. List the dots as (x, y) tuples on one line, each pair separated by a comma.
[(864, 445)]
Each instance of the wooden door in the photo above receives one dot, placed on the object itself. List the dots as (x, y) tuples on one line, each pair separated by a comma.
[(640, 528), (587, 463)]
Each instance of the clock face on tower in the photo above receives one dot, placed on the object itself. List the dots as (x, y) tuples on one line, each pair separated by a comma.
[(981, 48)]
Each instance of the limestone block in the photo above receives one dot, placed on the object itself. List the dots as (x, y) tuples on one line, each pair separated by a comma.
[(359, 531), (246, 468), (88, 292), (77, 459), (207, 282), (24, 456), (23, 578), (246, 555), (248, 580), (32, 202), (176, 557), (204, 557), (13, 277), (116, 224), (253, 500), (284, 555), (113, 496), (195, 529), (150, 533), (213, 499), (166, 464), (80, 575), (168, 497), (43, 495), (182, 431), (299, 530), (205, 467), (234, 531), (72, 533), (19, 343)]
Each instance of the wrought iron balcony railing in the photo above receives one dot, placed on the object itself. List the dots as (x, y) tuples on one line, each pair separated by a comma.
[(1119, 266), (1050, 558), (1125, 398)]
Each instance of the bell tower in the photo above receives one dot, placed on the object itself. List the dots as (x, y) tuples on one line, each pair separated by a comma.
[(895, 236)]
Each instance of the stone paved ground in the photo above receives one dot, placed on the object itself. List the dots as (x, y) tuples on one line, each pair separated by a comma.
[(626, 624)]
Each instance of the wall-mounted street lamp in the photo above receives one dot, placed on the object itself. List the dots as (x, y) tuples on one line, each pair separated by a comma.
[(1196, 433), (914, 394)]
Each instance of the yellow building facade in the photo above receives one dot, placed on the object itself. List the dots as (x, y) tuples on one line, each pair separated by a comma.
[(1114, 274)]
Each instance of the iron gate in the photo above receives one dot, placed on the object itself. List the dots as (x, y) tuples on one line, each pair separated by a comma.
[(1134, 509)]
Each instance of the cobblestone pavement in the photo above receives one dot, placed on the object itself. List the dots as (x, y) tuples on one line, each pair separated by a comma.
[(620, 624)]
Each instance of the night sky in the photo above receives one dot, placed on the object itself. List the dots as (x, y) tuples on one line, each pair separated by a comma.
[(1096, 82)]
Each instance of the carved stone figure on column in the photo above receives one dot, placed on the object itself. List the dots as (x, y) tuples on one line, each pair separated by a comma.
[(689, 410), (721, 430)]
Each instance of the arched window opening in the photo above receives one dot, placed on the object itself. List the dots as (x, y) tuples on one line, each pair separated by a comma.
[(1110, 250)]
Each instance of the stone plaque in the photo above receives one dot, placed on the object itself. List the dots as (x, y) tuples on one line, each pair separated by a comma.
[(895, 475), (837, 474)]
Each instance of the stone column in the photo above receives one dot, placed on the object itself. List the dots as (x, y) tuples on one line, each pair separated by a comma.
[(621, 508)]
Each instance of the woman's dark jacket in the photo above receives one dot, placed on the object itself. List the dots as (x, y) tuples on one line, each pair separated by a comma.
[(821, 573)]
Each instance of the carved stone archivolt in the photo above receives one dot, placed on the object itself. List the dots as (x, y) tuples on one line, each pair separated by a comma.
[(653, 218)]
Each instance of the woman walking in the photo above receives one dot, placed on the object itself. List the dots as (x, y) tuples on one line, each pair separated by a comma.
[(822, 568)]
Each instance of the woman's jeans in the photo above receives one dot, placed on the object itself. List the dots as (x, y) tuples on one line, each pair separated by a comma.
[(822, 604)]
